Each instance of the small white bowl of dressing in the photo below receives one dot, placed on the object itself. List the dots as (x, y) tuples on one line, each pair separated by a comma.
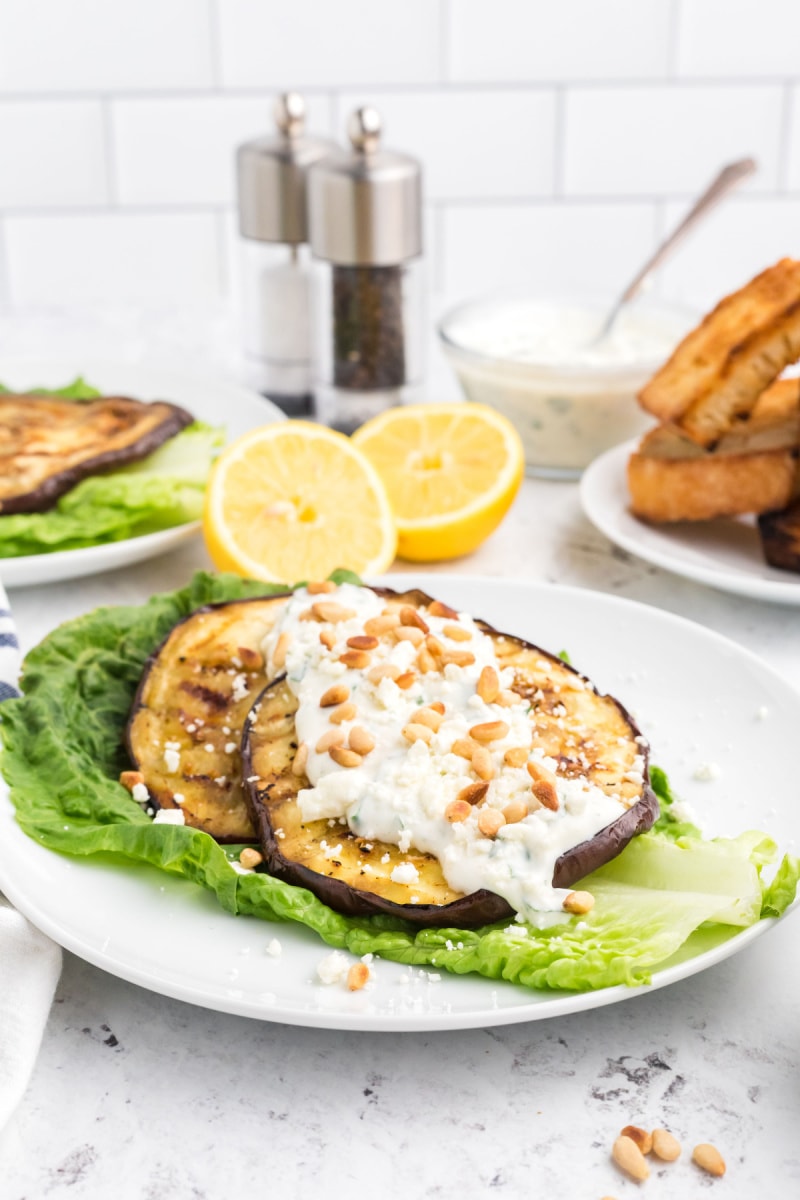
[(539, 363)]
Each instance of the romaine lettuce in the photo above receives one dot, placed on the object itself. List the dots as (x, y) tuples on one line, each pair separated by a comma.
[(62, 758)]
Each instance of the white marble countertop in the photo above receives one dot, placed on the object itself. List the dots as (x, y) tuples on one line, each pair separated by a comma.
[(135, 1095)]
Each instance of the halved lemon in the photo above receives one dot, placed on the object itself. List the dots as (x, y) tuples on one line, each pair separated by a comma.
[(451, 472), (294, 501)]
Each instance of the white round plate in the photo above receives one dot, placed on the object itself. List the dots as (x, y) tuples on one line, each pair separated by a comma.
[(698, 697), (724, 554), (215, 401)]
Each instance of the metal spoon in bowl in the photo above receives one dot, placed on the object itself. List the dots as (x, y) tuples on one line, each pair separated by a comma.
[(729, 177)]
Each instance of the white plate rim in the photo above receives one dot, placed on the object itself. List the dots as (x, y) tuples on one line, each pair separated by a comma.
[(32, 569), (600, 504), (485, 1015)]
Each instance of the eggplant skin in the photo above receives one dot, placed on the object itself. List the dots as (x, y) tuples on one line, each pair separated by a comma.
[(188, 696), (346, 872), (47, 445), (780, 537)]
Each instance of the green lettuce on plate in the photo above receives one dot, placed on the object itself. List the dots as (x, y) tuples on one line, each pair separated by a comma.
[(158, 492), (670, 894)]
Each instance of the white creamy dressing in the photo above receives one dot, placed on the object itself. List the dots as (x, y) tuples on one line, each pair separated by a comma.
[(400, 791)]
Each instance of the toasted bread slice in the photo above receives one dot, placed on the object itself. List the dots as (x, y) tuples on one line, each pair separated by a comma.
[(780, 537), (717, 372), (699, 489)]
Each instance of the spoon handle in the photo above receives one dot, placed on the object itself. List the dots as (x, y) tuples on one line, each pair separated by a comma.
[(728, 178)]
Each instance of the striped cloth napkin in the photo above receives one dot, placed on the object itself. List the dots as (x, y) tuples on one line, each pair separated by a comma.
[(30, 963)]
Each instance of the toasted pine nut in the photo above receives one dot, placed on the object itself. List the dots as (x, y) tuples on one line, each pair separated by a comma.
[(377, 626), (360, 740), (709, 1159), (250, 858), (320, 587), (300, 759), (405, 680), (665, 1146), (489, 731), (385, 671), (473, 793), (279, 653), (328, 638), (363, 642), (437, 706), (334, 695), (488, 685), (517, 810), (410, 616), (464, 748), (331, 737), (629, 1158), (642, 1137), (307, 615), (129, 779), (437, 609), (345, 712), (357, 660), (434, 646), (517, 756), (330, 611), (426, 716), (345, 757), (541, 774), (457, 633), (547, 795), (357, 976), (417, 733), (457, 810), (252, 659), (490, 821), (409, 633), (482, 763), (507, 699), (581, 902), (425, 661), (459, 658)]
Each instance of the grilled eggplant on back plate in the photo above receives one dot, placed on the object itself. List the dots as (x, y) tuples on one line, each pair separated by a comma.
[(48, 445)]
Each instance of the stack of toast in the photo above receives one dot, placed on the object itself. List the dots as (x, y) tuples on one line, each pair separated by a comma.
[(728, 442)]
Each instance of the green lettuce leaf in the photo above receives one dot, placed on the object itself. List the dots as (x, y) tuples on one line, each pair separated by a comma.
[(667, 894), (79, 389), (160, 491)]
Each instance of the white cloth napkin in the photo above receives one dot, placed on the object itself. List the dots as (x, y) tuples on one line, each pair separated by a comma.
[(30, 963)]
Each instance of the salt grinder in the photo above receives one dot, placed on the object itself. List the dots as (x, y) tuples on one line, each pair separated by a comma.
[(365, 229), (276, 262)]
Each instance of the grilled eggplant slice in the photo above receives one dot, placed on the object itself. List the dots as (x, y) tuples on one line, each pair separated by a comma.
[(47, 445), (348, 873), (185, 725), (780, 537)]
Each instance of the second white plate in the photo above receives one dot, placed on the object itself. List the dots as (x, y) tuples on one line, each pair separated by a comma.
[(699, 697), (723, 554), (216, 401)]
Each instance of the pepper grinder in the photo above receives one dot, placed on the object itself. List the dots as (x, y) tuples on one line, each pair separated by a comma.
[(365, 228), (276, 263)]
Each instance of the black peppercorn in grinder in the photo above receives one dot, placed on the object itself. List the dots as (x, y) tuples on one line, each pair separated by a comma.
[(276, 271), (365, 231)]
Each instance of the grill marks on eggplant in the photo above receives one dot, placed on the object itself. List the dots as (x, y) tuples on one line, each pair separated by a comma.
[(191, 692), (47, 445), (339, 868)]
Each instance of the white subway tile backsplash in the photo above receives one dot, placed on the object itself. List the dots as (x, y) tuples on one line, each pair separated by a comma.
[(544, 249), (738, 38), (647, 141), (739, 240), (52, 153), (99, 45), (152, 258), (272, 43), (525, 41), (473, 144), (179, 151)]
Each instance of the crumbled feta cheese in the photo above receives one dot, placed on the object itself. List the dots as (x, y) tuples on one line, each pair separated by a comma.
[(169, 816), (333, 968), (179, 797), (707, 772), (274, 949), (405, 873), (140, 793), (209, 746), (240, 688), (230, 747), (172, 761)]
